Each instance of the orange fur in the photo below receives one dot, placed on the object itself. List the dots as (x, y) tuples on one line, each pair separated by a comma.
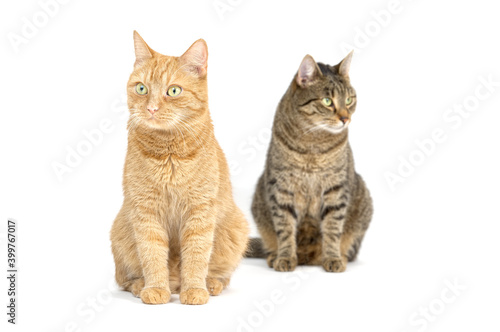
[(179, 229)]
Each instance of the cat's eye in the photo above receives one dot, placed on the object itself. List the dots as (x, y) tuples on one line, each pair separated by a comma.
[(327, 101), (141, 89), (174, 91), (348, 101)]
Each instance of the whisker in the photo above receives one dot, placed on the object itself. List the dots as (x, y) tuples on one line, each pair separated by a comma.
[(188, 129), (314, 128), (180, 132), (133, 122), (192, 132)]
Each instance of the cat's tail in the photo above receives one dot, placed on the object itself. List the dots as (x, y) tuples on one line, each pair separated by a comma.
[(255, 249)]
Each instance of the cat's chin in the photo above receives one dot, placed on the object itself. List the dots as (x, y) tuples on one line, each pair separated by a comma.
[(154, 123), (335, 130), (158, 125)]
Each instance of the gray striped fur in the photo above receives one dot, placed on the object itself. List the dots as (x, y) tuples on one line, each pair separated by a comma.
[(310, 206)]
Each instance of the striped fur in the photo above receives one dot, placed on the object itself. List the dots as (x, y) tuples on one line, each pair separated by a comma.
[(310, 206), (256, 248)]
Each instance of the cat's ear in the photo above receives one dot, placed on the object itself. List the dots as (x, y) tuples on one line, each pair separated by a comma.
[(142, 51), (344, 65), (308, 71), (195, 58)]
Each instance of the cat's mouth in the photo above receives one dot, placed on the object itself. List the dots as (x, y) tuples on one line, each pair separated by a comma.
[(156, 122), (152, 119)]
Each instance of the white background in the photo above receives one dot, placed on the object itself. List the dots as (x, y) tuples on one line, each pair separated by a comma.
[(440, 225)]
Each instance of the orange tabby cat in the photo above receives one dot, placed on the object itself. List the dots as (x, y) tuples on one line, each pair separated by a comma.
[(179, 230)]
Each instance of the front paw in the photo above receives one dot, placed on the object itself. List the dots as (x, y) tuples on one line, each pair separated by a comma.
[(137, 286), (270, 259), (155, 295), (214, 286), (194, 296), (285, 264), (334, 265)]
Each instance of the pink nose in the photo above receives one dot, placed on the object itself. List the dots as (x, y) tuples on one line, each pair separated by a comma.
[(152, 109), (344, 119)]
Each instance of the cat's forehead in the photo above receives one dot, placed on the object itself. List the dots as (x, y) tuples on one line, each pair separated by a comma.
[(157, 70), (332, 81)]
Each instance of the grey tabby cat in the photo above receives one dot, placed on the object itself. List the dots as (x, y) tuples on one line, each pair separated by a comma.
[(310, 205)]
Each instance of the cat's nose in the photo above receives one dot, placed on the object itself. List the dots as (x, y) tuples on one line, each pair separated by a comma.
[(344, 119), (152, 109)]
